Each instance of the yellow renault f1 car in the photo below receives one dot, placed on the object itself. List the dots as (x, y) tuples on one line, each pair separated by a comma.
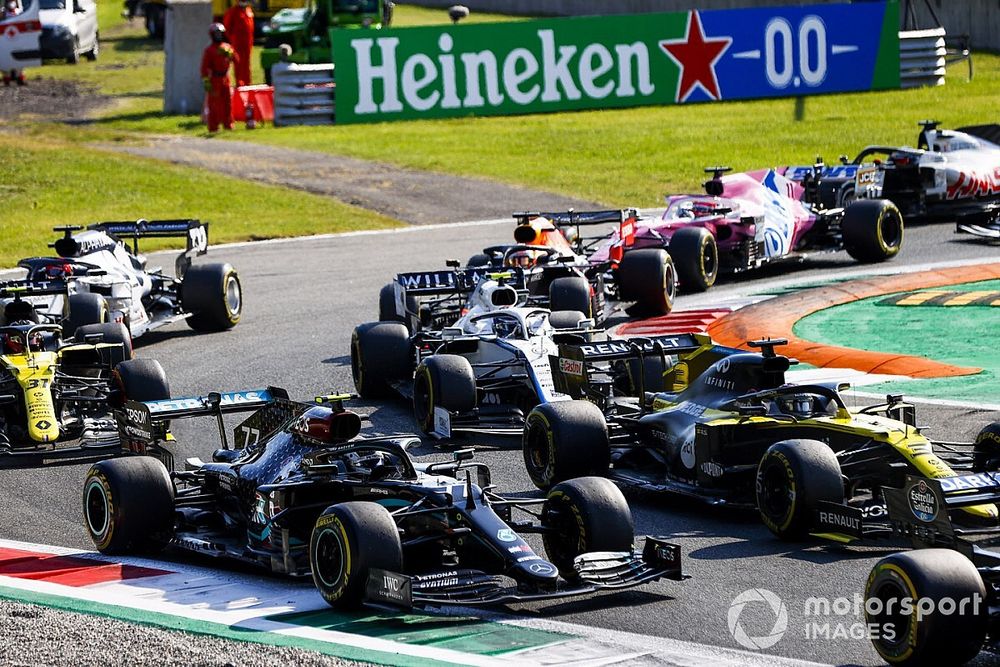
[(723, 425), (57, 397)]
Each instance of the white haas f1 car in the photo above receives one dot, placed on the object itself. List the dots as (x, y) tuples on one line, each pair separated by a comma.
[(952, 175), (485, 370), (98, 278)]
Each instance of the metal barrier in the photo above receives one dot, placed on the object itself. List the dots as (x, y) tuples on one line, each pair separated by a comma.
[(303, 94), (922, 58)]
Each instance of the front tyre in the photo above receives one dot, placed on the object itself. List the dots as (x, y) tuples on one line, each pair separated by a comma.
[(213, 295), (347, 542), (584, 515), (872, 230), (128, 504), (442, 381), (84, 308), (380, 355), (952, 633), (986, 449), (793, 477), (563, 440), (571, 293)]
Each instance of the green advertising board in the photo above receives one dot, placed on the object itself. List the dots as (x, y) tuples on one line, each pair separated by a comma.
[(614, 61)]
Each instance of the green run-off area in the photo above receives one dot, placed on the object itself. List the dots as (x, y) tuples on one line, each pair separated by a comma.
[(960, 335)]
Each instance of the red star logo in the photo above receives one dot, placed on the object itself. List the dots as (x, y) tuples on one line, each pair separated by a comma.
[(696, 56)]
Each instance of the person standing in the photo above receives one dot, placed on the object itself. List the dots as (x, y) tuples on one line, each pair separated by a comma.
[(215, 63), (239, 24)]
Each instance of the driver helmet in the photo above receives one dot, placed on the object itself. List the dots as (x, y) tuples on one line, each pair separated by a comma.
[(58, 271), (524, 259), (505, 327), (14, 343), (797, 404), (217, 32)]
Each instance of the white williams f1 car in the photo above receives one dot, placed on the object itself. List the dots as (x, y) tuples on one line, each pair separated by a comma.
[(98, 278), (484, 371)]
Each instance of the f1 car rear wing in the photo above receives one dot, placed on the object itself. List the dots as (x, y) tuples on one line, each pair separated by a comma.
[(194, 231), (574, 366), (626, 220), (142, 423), (17, 289), (452, 281)]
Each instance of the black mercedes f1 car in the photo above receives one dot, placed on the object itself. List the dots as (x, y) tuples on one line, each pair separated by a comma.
[(300, 493)]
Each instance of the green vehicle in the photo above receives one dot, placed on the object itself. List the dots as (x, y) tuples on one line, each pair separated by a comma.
[(307, 29)]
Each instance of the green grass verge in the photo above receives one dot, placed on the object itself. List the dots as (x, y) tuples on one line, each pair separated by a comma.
[(56, 183), (620, 157)]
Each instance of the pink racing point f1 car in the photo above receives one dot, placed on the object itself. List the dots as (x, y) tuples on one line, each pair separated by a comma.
[(746, 220)]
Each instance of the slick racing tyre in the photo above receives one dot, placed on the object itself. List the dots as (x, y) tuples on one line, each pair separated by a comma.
[(584, 515), (84, 308), (128, 504), (443, 381), (347, 541), (986, 450), (567, 319), (648, 277), (387, 308), (942, 580), (213, 295), (696, 258), (792, 478), (571, 293), (479, 259), (141, 380), (872, 230), (113, 333), (380, 355), (563, 440)]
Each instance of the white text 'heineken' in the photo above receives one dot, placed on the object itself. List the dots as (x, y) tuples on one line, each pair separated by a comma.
[(472, 80)]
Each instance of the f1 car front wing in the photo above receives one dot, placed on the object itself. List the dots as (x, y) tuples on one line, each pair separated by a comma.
[(598, 571)]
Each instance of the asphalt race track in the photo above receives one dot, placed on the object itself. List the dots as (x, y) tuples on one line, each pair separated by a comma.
[(302, 299)]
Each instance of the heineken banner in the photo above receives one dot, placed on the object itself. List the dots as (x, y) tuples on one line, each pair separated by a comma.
[(614, 61)]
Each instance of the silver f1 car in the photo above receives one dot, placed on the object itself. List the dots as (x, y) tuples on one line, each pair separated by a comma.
[(97, 278), (484, 370), (951, 176)]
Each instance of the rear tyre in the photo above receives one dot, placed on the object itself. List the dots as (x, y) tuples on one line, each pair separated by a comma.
[(380, 355), (141, 380), (84, 308), (387, 307), (212, 293), (128, 504), (696, 258), (986, 450), (872, 230), (347, 542), (648, 277), (443, 381), (571, 293), (585, 515), (563, 440), (793, 477), (933, 638), (113, 333)]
